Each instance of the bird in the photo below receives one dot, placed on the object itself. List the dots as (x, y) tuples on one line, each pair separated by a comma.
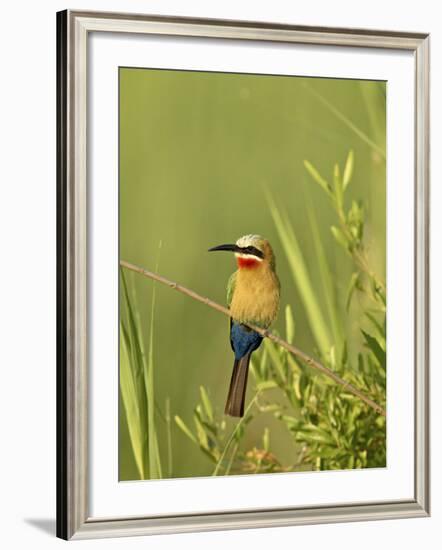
[(253, 293)]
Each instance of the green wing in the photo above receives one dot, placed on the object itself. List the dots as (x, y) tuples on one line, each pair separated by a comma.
[(231, 287)]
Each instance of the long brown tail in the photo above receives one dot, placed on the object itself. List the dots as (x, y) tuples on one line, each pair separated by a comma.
[(238, 385)]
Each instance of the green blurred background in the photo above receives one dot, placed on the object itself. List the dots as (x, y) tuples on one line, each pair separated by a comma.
[(197, 152)]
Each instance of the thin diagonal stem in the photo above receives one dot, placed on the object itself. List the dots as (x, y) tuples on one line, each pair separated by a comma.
[(313, 363), (362, 135)]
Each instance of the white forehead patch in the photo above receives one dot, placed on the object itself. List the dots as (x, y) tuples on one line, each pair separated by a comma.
[(249, 240)]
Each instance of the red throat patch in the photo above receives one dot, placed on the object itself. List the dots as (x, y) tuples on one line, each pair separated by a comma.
[(247, 263)]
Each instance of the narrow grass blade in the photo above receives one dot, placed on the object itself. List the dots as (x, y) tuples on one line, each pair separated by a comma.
[(266, 440), (301, 277), (231, 459), (239, 425), (289, 324), (376, 348), (348, 170), (136, 354), (354, 281), (206, 403), (131, 404), (276, 361), (155, 471), (328, 287), (338, 187), (380, 331), (318, 178), (136, 363), (180, 423), (374, 100), (340, 237), (169, 440)]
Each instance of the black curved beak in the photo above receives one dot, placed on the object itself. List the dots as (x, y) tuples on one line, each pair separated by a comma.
[(227, 247)]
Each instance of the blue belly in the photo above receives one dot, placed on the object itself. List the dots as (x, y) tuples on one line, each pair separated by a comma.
[(243, 340)]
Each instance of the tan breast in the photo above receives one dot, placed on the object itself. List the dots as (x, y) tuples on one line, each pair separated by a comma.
[(256, 296)]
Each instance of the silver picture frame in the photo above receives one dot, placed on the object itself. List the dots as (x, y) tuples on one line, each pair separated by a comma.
[(73, 518)]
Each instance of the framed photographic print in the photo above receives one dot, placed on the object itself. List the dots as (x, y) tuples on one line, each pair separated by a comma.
[(242, 211)]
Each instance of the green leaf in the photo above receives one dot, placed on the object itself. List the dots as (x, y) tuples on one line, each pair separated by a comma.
[(131, 405), (289, 324), (297, 388), (263, 363), (180, 423), (266, 440), (325, 453), (338, 187), (269, 408), (351, 288), (316, 436), (376, 348), (339, 236), (206, 403), (291, 422), (318, 178), (267, 385), (344, 353), (379, 329), (348, 170), (361, 364), (208, 454), (200, 431)]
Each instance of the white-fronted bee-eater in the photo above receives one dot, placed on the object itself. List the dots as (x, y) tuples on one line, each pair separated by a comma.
[(253, 298)]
